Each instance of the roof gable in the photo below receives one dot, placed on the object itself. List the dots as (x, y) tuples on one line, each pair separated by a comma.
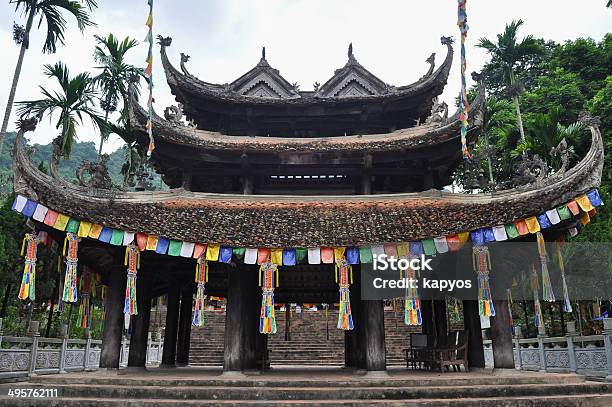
[(353, 80), (264, 81)]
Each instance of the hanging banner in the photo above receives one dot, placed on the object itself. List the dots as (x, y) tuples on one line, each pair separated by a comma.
[(71, 247), (149, 76), (464, 104), (201, 278), (344, 278), (482, 265), (29, 248), (132, 261), (267, 320)]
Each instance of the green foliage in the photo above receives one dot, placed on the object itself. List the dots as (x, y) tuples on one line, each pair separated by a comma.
[(508, 52), (558, 83), (72, 103), (52, 13), (560, 90), (114, 77), (590, 60)]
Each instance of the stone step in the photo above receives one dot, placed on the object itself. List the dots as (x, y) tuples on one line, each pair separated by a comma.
[(318, 378), (324, 393), (570, 401)]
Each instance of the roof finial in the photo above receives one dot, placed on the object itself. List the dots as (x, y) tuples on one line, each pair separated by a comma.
[(350, 51), (263, 53)]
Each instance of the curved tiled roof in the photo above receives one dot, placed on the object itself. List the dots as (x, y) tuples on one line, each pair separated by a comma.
[(304, 221), (427, 87), (426, 135)]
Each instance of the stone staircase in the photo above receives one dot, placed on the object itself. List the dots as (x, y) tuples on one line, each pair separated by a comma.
[(314, 387), (206, 347), (310, 342)]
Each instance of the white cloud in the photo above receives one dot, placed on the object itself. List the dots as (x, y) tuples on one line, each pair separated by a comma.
[(305, 39)]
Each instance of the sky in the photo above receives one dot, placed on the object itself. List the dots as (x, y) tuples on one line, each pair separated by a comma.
[(305, 39)]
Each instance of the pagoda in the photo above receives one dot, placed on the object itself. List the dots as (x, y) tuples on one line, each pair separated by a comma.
[(276, 193)]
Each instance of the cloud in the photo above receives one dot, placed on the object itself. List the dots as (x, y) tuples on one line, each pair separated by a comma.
[(305, 39)]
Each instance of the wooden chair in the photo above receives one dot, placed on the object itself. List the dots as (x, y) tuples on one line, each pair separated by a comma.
[(417, 355), (452, 355)]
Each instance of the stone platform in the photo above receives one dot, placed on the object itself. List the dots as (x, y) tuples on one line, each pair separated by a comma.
[(308, 386)]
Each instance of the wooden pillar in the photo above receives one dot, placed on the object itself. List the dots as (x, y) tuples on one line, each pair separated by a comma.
[(140, 322), (441, 321), (526, 315), (170, 333), (186, 181), (354, 340), (252, 300), (287, 322), (366, 178), (501, 336), (184, 326), (471, 320), (562, 318), (427, 318), (236, 317), (113, 324), (374, 324)]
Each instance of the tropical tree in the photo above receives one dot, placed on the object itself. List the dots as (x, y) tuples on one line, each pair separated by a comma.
[(506, 53), (74, 102), (497, 124), (52, 13), (115, 75), (546, 132)]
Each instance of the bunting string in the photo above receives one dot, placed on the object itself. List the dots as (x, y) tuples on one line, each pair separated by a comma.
[(201, 278), (29, 248), (149, 76), (267, 320), (132, 261), (71, 247), (482, 265), (567, 305), (463, 97), (547, 290), (412, 303), (344, 278)]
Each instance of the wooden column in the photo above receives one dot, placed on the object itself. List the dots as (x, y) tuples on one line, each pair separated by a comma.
[(170, 333), (501, 336), (184, 326), (427, 317), (374, 324), (354, 341), (366, 178), (471, 320), (252, 305), (113, 324), (140, 322), (187, 179), (236, 318), (441, 322)]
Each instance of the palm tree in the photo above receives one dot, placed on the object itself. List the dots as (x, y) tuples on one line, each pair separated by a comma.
[(51, 12), (546, 132), (115, 75), (75, 101), (506, 53), (496, 123)]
